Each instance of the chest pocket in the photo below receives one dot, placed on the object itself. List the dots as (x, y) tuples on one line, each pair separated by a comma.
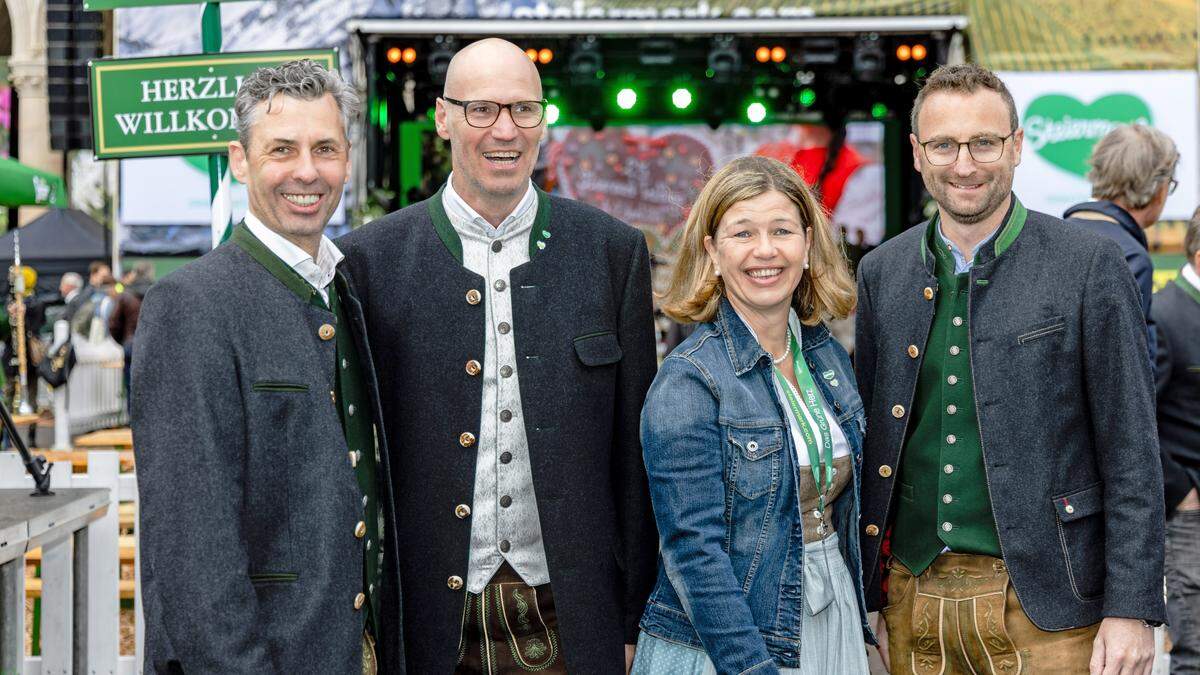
[(598, 349), (757, 462)]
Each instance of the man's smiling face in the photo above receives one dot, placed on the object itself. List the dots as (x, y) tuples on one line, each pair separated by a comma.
[(296, 165), (491, 165), (967, 190)]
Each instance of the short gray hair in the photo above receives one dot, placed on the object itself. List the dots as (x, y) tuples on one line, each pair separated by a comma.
[(1130, 164), (71, 279), (304, 79), (1191, 240)]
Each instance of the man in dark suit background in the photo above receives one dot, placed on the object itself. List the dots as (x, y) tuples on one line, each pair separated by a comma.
[(1177, 311), (516, 345), (266, 517)]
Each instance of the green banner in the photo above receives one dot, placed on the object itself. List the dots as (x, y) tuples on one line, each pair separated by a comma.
[(97, 5), (22, 185), (175, 105)]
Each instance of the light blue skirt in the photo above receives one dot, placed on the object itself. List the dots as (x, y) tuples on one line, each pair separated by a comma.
[(832, 639)]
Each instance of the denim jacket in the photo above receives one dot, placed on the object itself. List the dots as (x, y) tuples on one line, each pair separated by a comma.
[(724, 482)]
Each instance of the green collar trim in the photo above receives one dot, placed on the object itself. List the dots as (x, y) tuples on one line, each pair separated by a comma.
[(244, 238), (1192, 291), (1014, 222), (538, 235)]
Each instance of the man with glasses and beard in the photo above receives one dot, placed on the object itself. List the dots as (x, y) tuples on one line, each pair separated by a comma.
[(1012, 491), (516, 345)]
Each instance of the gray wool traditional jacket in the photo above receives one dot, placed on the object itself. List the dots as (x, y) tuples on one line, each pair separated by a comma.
[(248, 502), (1065, 407), (584, 336)]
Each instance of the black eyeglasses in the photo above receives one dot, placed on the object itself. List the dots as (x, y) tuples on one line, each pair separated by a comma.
[(983, 149), (1171, 186), (483, 114)]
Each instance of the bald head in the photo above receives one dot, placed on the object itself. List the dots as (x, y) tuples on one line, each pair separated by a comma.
[(495, 62)]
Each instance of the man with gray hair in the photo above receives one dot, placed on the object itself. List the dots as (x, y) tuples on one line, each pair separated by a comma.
[(1133, 172), (267, 540), (1177, 315)]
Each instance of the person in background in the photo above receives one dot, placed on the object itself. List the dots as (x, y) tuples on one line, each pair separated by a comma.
[(1177, 315), (128, 304), (1132, 174), (752, 436)]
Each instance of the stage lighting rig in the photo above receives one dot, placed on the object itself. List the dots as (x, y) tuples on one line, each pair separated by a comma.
[(442, 51), (868, 59)]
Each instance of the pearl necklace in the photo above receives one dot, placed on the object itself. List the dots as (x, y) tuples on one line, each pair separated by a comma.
[(787, 351)]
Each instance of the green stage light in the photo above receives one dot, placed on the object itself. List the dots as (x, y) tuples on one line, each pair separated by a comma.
[(552, 113), (807, 97), (879, 111), (681, 98), (756, 112), (627, 98)]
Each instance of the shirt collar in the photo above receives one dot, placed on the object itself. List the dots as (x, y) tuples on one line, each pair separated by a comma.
[(318, 273), (964, 263), (1189, 273), (459, 210)]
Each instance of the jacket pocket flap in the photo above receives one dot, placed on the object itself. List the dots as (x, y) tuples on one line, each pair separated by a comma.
[(276, 385), (273, 578), (1080, 504), (1042, 329), (598, 349), (758, 442)]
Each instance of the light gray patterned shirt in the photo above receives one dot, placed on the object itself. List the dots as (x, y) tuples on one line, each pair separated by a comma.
[(504, 516)]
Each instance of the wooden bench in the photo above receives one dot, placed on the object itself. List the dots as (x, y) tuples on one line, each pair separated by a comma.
[(126, 547), (79, 458), (106, 438)]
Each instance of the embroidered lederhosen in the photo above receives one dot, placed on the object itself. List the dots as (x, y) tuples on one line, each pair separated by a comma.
[(509, 628)]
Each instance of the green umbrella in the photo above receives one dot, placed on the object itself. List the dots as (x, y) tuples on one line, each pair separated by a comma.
[(21, 185)]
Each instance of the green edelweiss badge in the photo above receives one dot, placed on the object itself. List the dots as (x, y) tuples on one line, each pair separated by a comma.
[(1062, 130)]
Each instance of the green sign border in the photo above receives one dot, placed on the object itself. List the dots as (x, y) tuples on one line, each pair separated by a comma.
[(98, 5), (97, 69)]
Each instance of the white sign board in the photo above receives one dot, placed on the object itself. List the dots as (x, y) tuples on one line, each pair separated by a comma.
[(169, 192), (1064, 114)]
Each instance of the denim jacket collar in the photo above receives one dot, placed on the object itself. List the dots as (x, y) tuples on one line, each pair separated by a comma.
[(744, 350)]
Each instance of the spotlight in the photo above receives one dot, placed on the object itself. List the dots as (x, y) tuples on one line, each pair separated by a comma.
[(868, 61), (904, 52), (681, 98), (532, 54), (879, 111), (807, 97), (723, 59), (919, 52), (762, 54), (552, 113), (409, 55), (756, 112), (626, 98), (545, 56), (443, 50), (586, 60), (778, 54), (393, 55)]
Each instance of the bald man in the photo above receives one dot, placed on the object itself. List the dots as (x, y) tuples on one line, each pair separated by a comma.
[(516, 345)]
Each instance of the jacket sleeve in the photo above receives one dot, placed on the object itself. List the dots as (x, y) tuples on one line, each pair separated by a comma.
[(638, 539), (681, 439), (1176, 482), (1119, 393), (189, 433)]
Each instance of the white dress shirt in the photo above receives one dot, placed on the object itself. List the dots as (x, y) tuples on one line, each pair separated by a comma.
[(319, 273)]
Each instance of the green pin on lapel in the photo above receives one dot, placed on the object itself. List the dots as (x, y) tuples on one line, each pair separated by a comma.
[(541, 245), (545, 234), (829, 374)]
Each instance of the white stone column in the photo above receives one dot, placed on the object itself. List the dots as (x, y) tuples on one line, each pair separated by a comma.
[(27, 72)]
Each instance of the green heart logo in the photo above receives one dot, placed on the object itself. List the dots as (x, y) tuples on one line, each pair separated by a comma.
[(1063, 130)]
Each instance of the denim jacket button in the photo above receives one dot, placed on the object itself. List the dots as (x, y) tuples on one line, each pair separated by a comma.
[(752, 446)]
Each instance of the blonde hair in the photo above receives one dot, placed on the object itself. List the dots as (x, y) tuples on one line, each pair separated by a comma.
[(826, 289)]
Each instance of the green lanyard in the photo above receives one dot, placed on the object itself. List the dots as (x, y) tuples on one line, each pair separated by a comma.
[(812, 402)]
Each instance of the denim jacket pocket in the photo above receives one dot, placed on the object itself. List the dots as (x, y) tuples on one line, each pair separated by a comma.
[(756, 459)]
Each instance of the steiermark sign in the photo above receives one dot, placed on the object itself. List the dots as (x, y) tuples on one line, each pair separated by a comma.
[(1063, 129), (175, 105)]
